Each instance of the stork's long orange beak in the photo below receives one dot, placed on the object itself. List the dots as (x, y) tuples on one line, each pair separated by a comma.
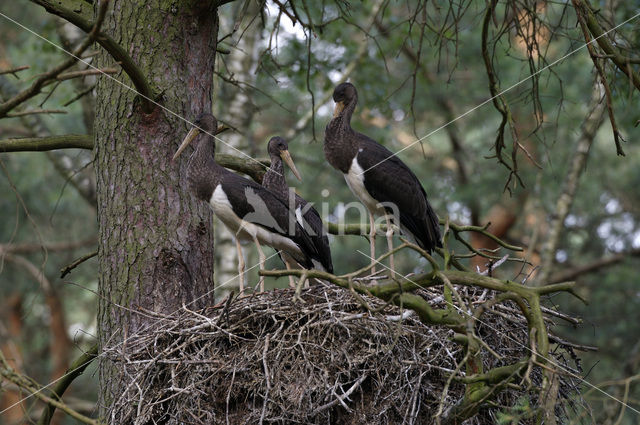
[(339, 107), (286, 157), (188, 139)]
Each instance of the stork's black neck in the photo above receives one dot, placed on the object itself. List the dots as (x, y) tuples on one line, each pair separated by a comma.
[(274, 178), (203, 173), (340, 141)]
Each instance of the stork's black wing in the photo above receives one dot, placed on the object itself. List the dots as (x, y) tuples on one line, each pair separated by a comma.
[(388, 179), (257, 205), (317, 232)]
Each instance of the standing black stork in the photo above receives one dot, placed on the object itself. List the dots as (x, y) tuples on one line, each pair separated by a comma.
[(246, 208), (380, 180), (306, 215)]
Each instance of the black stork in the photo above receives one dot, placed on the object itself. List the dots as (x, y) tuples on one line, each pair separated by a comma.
[(249, 210), (306, 215), (380, 180)]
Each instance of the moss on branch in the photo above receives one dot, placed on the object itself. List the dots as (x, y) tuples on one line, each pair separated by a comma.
[(363, 229), (76, 369), (601, 37), (48, 143)]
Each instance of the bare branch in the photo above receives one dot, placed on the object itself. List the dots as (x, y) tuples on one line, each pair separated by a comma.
[(67, 269), (499, 102), (35, 112), (34, 389), (86, 72), (593, 266), (584, 9), (603, 78), (76, 369), (363, 229), (29, 267), (109, 44), (39, 144), (80, 95), (253, 169), (14, 71), (51, 75)]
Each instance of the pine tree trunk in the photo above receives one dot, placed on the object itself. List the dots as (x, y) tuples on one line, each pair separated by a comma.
[(155, 238)]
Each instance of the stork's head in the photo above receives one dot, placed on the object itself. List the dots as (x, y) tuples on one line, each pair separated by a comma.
[(206, 123), (343, 94), (278, 147)]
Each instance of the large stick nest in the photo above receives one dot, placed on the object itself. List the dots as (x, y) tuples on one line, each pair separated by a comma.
[(266, 359)]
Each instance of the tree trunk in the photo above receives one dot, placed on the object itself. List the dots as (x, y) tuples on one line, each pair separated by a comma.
[(241, 63), (155, 238)]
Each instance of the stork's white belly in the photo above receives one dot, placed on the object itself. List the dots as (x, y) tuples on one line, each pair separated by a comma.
[(355, 181), (244, 230)]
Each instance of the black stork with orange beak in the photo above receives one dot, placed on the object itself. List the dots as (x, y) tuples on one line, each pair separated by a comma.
[(249, 210), (378, 178), (306, 215)]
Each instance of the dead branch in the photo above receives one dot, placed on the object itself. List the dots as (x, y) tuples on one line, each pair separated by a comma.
[(318, 361), (585, 10), (14, 71), (47, 77), (39, 144), (116, 51), (253, 169), (35, 112), (593, 266), (34, 389), (67, 269)]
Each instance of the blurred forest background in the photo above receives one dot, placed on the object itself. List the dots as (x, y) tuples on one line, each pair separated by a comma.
[(417, 66)]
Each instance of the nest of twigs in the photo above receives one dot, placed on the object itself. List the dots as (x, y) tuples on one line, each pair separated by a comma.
[(329, 359)]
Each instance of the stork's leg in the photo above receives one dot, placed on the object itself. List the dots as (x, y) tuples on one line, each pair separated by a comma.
[(389, 234), (372, 242), (240, 266), (263, 258), (292, 283)]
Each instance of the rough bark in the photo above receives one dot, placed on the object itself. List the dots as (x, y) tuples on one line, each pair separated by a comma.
[(155, 238)]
